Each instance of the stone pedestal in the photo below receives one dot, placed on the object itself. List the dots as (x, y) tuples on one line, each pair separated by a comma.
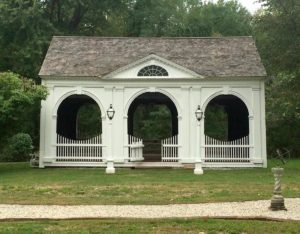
[(277, 200), (110, 169), (198, 169)]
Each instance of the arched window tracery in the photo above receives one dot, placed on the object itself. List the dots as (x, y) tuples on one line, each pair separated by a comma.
[(153, 70)]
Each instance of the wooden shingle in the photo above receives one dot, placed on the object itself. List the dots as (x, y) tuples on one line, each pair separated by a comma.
[(99, 56)]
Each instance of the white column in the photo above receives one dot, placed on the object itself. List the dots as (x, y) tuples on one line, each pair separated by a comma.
[(195, 100), (110, 160), (202, 138), (110, 169), (180, 138), (251, 137), (198, 163), (118, 124), (42, 134), (263, 124), (184, 130), (49, 127), (125, 139), (257, 123)]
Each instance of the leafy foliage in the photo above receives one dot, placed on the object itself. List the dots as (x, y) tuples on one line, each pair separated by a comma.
[(277, 33), (152, 122), (277, 30), (91, 17), (19, 147), (24, 36), (216, 122), (19, 105), (283, 111), (187, 18), (89, 122)]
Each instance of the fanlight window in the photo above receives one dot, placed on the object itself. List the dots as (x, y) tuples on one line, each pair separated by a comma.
[(153, 70)]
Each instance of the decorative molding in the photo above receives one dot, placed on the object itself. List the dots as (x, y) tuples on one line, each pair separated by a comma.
[(109, 88), (119, 88), (152, 89), (79, 90), (185, 87), (226, 89), (154, 60)]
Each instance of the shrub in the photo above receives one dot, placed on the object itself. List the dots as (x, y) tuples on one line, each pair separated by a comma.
[(19, 147)]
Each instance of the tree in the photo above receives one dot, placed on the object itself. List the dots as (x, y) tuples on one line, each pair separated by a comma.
[(228, 18), (277, 31), (152, 121), (25, 34), (283, 111), (152, 18), (27, 26), (90, 17), (188, 18), (19, 105)]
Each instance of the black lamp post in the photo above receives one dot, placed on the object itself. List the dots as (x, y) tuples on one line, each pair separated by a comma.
[(110, 112)]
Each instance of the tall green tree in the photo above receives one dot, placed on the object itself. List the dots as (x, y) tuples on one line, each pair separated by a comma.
[(89, 17), (25, 33), (27, 26), (188, 18), (277, 31), (227, 18), (152, 17), (19, 106)]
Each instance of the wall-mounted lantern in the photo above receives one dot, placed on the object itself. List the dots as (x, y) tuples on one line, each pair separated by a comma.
[(110, 112), (199, 113)]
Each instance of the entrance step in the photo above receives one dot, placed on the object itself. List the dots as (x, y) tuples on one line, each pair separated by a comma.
[(152, 157), (152, 165), (152, 150)]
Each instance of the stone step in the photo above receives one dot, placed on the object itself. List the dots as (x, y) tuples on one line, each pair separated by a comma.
[(152, 157), (155, 165)]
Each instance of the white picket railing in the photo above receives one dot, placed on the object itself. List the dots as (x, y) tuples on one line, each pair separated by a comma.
[(227, 151), (69, 150), (135, 146), (169, 149)]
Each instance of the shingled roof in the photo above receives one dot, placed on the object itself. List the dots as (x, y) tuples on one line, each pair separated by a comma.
[(98, 56)]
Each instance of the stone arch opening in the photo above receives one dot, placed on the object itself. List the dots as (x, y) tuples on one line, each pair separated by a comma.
[(152, 116), (226, 118), (78, 118)]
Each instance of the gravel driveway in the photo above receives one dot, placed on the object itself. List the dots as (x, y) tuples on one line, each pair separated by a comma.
[(248, 209)]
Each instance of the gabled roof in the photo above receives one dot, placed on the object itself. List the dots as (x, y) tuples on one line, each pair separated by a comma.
[(99, 56)]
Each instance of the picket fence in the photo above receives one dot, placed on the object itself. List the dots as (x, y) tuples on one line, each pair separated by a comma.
[(135, 147), (88, 150), (227, 151), (169, 149)]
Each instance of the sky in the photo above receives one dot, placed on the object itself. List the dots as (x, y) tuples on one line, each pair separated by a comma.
[(251, 5)]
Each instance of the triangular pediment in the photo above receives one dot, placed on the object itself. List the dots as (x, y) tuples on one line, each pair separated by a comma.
[(132, 70)]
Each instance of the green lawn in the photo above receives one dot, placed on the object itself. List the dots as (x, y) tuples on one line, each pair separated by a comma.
[(23, 185), (151, 226)]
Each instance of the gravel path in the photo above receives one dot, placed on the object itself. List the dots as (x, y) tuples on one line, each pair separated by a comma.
[(248, 209)]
